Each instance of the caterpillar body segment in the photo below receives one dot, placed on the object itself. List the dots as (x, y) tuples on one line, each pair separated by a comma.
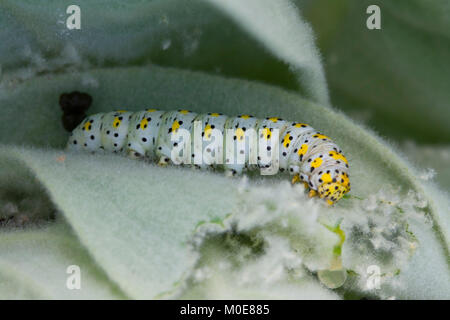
[(143, 133), (215, 141)]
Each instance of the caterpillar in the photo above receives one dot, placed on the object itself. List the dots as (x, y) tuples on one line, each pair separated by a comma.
[(216, 141)]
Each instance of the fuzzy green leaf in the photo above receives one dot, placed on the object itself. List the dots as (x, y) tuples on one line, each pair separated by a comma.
[(34, 263), (136, 220), (214, 36), (433, 159)]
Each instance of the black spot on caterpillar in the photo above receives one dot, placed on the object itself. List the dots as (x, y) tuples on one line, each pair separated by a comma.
[(213, 140)]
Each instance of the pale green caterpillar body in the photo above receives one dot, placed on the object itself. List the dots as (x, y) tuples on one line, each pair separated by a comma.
[(215, 141)]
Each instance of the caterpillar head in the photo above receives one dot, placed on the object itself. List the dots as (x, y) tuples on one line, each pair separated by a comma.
[(332, 191)]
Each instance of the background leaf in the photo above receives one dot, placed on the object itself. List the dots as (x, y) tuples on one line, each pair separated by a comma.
[(135, 219), (433, 159), (287, 36), (199, 35), (33, 265), (394, 79)]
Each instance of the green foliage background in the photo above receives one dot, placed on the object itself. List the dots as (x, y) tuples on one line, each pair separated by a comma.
[(132, 226)]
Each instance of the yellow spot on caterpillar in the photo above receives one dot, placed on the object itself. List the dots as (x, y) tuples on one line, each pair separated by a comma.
[(239, 134), (303, 149), (175, 126), (245, 116), (151, 110), (326, 178), (300, 125), (338, 156), (274, 119), (320, 136), (286, 140), (144, 123), (215, 114), (317, 162), (208, 130), (184, 111), (116, 122), (87, 126), (312, 193), (266, 133), (121, 111)]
